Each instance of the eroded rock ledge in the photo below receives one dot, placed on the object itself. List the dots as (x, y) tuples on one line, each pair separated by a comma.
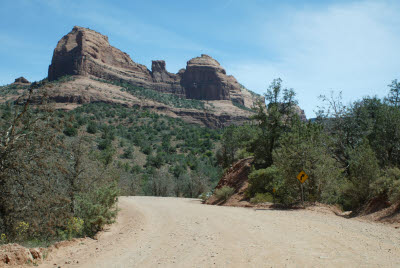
[(86, 52)]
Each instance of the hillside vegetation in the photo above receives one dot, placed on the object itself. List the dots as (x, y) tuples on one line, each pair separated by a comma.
[(350, 152), (165, 98), (61, 172)]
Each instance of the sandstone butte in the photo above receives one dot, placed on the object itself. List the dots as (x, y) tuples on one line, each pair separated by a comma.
[(88, 53), (88, 56), (21, 81)]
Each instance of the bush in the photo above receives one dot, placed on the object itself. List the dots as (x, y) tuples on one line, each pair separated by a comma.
[(91, 127), (21, 231), (388, 185), (104, 144), (224, 193), (74, 227), (363, 172), (263, 181), (204, 196), (262, 198), (128, 153), (3, 239), (70, 131), (147, 149), (97, 208)]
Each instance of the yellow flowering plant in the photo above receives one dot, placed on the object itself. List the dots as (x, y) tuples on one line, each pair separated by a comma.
[(3, 239), (22, 230), (74, 226)]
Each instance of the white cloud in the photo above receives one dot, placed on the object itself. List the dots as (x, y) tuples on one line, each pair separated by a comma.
[(120, 22), (128, 32), (351, 47)]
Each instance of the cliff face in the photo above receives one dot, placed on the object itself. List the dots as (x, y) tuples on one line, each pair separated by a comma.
[(88, 53), (21, 81), (162, 80), (205, 79)]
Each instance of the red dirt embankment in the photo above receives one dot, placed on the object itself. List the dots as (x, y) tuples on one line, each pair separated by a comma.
[(237, 178)]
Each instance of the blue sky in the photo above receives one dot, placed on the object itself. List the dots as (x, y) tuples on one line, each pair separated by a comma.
[(314, 46)]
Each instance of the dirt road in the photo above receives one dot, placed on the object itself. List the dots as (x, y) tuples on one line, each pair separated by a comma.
[(173, 232)]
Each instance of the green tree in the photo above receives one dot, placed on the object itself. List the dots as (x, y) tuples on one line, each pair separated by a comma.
[(363, 172), (394, 94), (234, 143), (28, 157), (305, 148), (272, 121)]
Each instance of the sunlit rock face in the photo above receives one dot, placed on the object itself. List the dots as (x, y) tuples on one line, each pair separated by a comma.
[(88, 53), (205, 79)]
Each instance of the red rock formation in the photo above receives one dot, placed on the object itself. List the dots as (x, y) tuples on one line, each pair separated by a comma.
[(163, 80), (21, 81), (205, 79), (88, 53)]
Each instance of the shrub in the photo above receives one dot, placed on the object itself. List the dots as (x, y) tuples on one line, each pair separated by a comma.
[(394, 194), (21, 230), (388, 184), (147, 149), (3, 239), (363, 171), (70, 131), (59, 183), (91, 127), (128, 153), (74, 227), (263, 180), (104, 144), (224, 193), (262, 198), (204, 196), (97, 208)]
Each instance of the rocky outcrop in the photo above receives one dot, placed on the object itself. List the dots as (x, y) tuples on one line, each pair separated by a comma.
[(165, 81), (88, 53), (21, 81), (301, 113), (205, 79), (14, 254)]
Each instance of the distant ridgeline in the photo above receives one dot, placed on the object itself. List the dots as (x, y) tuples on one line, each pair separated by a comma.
[(88, 53), (201, 93)]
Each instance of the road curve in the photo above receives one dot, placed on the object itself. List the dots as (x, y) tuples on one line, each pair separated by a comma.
[(176, 232)]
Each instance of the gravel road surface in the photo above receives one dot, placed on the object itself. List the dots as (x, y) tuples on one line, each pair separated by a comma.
[(177, 232)]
